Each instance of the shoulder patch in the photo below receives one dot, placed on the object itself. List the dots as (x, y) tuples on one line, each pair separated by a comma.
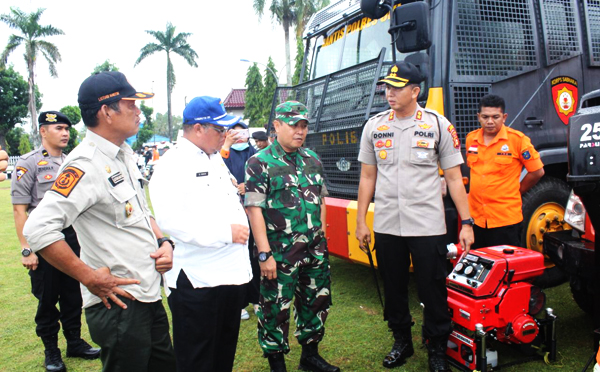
[(20, 172), (67, 180)]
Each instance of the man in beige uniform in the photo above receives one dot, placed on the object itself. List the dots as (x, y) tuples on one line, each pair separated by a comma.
[(99, 192), (400, 151)]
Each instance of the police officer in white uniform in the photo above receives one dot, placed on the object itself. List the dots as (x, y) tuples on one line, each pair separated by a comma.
[(123, 252), (400, 151), (35, 173)]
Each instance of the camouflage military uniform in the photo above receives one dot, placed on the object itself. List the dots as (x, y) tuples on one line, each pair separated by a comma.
[(288, 187)]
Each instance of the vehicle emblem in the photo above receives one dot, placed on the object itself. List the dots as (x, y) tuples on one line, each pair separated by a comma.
[(564, 97), (343, 165)]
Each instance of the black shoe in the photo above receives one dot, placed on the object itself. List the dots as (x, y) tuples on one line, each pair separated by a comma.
[(53, 361), (277, 362), (436, 348), (78, 348), (402, 350), (310, 360)]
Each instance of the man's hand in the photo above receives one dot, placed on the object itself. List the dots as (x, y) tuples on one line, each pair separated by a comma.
[(3, 163), (363, 234), (241, 188), (239, 234), (268, 269), (466, 237), (30, 262), (163, 257), (106, 286)]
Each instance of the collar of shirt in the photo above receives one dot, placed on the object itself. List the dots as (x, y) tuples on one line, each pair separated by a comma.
[(405, 122), (501, 135), (279, 153), (187, 146), (105, 146)]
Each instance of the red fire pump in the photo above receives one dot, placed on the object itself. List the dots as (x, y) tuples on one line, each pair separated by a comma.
[(491, 298)]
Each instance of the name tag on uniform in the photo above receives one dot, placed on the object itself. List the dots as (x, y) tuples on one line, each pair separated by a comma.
[(116, 179), (201, 174)]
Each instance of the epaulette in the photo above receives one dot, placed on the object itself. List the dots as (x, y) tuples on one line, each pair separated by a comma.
[(515, 132), (28, 155), (428, 110), (382, 113), (83, 150)]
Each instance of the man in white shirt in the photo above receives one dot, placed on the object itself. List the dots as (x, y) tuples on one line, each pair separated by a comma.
[(197, 204)]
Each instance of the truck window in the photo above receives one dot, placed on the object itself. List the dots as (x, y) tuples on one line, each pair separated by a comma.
[(357, 41), (560, 30), (592, 18)]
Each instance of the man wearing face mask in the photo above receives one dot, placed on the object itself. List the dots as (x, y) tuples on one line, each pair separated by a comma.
[(235, 153)]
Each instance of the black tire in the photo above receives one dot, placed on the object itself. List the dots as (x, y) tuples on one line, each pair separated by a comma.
[(545, 202), (582, 292), (372, 9)]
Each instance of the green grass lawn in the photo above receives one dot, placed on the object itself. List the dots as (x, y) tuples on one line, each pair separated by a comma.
[(356, 339)]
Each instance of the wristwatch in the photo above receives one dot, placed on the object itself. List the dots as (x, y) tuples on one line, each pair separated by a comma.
[(468, 221), (26, 252), (165, 239), (263, 256)]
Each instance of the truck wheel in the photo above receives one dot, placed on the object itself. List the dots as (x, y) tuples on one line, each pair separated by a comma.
[(582, 294), (543, 211), (372, 9)]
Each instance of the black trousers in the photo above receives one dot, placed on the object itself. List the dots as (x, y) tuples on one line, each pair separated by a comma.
[(253, 286), (489, 237), (51, 287), (206, 325), (429, 262), (132, 340)]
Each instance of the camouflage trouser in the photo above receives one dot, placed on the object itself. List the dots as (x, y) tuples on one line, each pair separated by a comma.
[(309, 281)]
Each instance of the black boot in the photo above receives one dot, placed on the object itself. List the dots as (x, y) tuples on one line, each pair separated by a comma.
[(436, 348), (402, 349), (310, 360), (53, 362), (78, 348), (277, 362)]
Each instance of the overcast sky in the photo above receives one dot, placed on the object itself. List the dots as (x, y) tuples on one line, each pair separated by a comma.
[(222, 33)]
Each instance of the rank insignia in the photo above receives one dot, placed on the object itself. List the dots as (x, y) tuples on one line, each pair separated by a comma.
[(21, 172), (42, 162), (419, 116), (526, 155), (383, 127), (391, 117), (48, 177), (504, 148), (128, 209), (383, 154), (107, 169), (424, 126)]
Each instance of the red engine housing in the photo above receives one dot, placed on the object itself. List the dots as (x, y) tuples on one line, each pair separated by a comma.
[(491, 287)]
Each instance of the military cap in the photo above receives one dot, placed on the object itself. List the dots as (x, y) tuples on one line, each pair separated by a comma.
[(291, 112)]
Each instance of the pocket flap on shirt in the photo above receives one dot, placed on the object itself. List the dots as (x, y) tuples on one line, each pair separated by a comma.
[(503, 159), (122, 192)]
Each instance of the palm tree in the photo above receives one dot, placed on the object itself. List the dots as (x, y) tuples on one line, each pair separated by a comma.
[(282, 11), (170, 43), (32, 38), (304, 10)]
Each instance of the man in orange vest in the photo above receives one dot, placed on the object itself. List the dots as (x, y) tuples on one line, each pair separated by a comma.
[(496, 154)]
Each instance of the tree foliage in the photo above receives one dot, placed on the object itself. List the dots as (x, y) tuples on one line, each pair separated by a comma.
[(169, 42), (298, 62), (24, 144), (32, 38), (74, 115), (14, 98), (13, 138), (105, 66), (270, 84), (147, 130), (254, 111), (161, 124)]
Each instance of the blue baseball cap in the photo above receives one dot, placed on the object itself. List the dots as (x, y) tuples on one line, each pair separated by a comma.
[(208, 110)]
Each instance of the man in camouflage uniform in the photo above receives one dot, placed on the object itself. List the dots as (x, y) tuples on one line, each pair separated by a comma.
[(284, 198)]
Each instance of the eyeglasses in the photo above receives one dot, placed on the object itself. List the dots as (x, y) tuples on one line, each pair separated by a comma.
[(218, 129)]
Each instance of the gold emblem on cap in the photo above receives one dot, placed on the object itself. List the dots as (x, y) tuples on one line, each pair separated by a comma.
[(51, 118), (393, 71), (107, 169)]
